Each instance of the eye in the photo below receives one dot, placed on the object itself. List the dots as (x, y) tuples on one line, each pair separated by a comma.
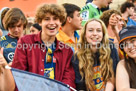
[(90, 30), (46, 18), (55, 18), (99, 30)]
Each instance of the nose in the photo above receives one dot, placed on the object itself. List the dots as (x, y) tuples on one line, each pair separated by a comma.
[(94, 32), (16, 28), (51, 21), (81, 18)]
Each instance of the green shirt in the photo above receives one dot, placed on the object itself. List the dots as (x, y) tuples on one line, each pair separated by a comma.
[(90, 11)]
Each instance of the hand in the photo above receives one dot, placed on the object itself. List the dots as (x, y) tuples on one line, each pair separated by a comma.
[(113, 20), (3, 62)]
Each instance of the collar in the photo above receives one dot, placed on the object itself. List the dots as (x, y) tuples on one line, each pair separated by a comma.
[(67, 38), (93, 5), (11, 37), (37, 39), (64, 36)]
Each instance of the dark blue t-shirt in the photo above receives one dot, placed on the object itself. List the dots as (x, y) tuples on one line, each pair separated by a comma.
[(9, 45)]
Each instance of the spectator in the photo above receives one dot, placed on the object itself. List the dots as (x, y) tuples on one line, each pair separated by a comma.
[(68, 33), (92, 10), (3, 11), (102, 9), (125, 76), (127, 10), (15, 22), (114, 23), (95, 61), (49, 60), (35, 28)]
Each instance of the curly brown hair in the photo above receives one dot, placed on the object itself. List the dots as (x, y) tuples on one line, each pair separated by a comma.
[(106, 16), (54, 9)]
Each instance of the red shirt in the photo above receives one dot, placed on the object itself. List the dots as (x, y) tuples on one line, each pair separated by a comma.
[(30, 57)]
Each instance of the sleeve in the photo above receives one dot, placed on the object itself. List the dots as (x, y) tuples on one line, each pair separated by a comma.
[(80, 84), (114, 56), (20, 56), (69, 74)]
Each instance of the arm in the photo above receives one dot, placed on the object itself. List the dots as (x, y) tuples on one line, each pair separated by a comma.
[(6, 79), (109, 86), (122, 78), (20, 56), (69, 74), (113, 22)]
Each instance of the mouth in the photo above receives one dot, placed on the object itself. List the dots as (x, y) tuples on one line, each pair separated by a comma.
[(94, 39), (51, 28), (133, 51)]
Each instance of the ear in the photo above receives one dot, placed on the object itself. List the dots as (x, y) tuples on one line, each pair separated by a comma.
[(69, 19)]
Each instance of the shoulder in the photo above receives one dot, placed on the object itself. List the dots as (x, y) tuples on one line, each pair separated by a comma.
[(64, 48), (27, 38), (3, 38), (86, 7), (121, 63)]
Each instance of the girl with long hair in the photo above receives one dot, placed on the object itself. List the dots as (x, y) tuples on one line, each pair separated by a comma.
[(126, 68), (95, 58)]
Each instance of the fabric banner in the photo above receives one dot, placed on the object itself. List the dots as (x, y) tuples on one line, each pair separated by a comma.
[(27, 81)]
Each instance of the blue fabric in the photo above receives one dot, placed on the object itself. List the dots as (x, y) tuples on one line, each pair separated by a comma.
[(9, 45), (52, 64), (131, 22), (76, 35), (27, 81)]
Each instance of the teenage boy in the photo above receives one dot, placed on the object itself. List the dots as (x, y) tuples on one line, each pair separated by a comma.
[(46, 56)]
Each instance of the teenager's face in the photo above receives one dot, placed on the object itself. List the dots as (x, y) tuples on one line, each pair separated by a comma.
[(16, 30), (120, 22), (50, 25), (76, 20), (130, 11), (33, 30), (94, 33), (130, 47)]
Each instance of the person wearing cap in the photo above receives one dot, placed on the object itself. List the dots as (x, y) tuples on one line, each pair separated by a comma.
[(35, 28), (126, 68)]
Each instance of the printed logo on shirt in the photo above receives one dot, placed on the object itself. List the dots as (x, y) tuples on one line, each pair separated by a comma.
[(9, 45), (49, 72), (98, 80), (10, 56), (85, 15)]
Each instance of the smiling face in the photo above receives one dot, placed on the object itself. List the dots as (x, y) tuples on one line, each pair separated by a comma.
[(130, 47), (50, 25), (94, 32)]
